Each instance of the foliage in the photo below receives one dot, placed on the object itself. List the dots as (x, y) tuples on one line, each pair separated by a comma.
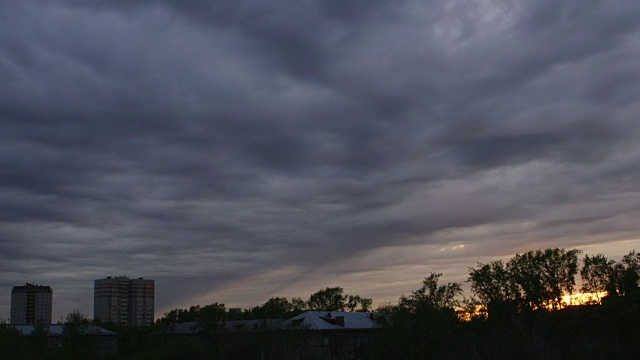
[(298, 305), (334, 299), (77, 343), (131, 339), (386, 308), (6, 330), (76, 318), (10, 342), (422, 323), (493, 283), (206, 316), (598, 275), (329, 299), (356, 303), (38, 337), (274, 308), (545, 276), (433, 295), (534, 280), (630, 274), (472, 309)]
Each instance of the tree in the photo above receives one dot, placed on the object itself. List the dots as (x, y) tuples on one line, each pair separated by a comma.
[(334, 299), (357, 303), (544, 276), (433, 295), (38, 338), (534, 280), (274, 308), (11, 345), (329, 299), (493, 283), (631, 273), (625, 276), (298, 306), (77, 342), (422, 322), (207, 318), (598, 275), (76, 318)]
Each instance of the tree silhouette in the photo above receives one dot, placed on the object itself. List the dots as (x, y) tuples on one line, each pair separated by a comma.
[(433, 295), (533, 280), (422, 322), (598, 275), (334, 299)]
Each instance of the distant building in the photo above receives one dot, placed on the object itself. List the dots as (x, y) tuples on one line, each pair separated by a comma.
[(327, 335), (141, 302), (225, 326), (110, 299), (123, 300), (106, 341), (235, 311), (31, 304)]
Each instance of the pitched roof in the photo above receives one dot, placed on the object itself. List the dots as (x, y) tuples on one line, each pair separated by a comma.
[(58, 330), (333, 320), (192, 327)]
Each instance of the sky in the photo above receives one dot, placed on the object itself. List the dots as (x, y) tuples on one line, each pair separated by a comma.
[(236, 150)]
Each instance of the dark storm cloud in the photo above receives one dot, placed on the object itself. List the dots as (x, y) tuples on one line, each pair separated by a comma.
[(211, 144)]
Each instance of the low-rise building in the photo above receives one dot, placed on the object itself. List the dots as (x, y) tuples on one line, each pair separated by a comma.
[(225, 326), (325, 335), (106, 340)]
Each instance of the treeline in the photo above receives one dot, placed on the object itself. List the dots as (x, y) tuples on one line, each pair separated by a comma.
[(517, 309), (535, 280), (328, 299), (541, 279)]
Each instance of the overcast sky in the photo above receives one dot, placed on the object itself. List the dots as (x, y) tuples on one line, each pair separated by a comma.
[(235, 150)]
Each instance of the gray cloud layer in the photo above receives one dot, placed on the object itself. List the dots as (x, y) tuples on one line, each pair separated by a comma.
[(235, 150)]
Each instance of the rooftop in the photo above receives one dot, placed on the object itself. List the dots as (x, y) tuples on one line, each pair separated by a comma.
[(333, 320), (58, 330)]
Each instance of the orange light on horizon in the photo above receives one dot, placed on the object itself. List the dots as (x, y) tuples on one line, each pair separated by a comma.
[(584, 298), (480, 311)]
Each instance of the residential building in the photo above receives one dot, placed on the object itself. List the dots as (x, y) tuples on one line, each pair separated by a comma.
[(110, 299), (31, 304), (225, 326), (228, 339), (325, 335), (106, 341), (318, 335), (141, 302), (123, 300)]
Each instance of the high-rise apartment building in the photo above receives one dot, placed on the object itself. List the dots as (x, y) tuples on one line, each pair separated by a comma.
[(31, 304), (124, 300), (110, 299)]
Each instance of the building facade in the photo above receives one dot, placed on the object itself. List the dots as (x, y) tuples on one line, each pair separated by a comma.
[(105, 341), (324, 336), (123, 300), (31, 304), (141, 302)]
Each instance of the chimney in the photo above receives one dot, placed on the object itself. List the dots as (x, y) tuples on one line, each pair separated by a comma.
[(339, 321)]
